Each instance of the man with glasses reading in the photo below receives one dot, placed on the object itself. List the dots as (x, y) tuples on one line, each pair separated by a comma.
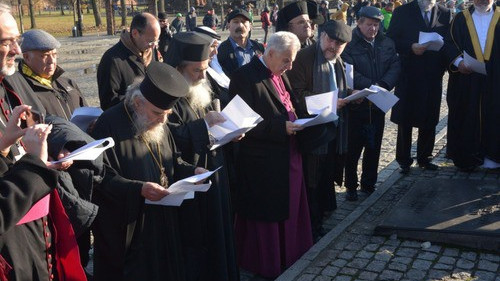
[(128, 59)]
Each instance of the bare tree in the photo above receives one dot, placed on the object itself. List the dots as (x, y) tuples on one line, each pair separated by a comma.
[(95, 10), (123, 7), (110, 20), (32, 13)]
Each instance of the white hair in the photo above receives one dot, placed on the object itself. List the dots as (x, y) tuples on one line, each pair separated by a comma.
[(282, 41), (4, 8)]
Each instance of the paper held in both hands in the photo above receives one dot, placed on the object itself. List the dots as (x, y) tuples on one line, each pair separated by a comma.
[(382, 98), (240, 118), (89, 151), (184, 189), (432, 40), (324, 106), (474, 64)]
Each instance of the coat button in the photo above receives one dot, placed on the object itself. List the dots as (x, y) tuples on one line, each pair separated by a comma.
[(45, 223), (49, 256)]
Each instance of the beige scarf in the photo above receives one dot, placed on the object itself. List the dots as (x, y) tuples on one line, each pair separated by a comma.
[(146, 56)]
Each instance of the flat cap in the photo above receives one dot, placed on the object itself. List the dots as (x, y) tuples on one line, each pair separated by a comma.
[(371, 12), (338, 30), (163, 85), (238, 12), (37, 39)]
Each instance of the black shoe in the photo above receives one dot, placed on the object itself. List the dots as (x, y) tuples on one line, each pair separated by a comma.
[(351, 195), (405, 170), (368, 189), (429, 166)]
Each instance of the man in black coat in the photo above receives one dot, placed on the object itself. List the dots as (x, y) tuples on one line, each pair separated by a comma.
[(126, 61), (420, 84), (295, 18), (238, 49), (165, 35), (323, 146), (375, 62), (59, 95)]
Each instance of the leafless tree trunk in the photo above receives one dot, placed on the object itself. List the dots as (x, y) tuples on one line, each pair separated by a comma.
[(123, 7), (153, 7), (95, 10), (110, 26), (32, 14)]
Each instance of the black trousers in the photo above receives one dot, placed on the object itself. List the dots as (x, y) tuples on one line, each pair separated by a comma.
[(425, 145), (365, 132)]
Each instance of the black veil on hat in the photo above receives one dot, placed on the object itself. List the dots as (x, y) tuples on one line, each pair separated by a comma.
[(187, 46), (163, 85), (289, 12)]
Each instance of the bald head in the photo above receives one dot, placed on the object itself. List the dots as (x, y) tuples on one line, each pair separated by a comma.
[(145, 31)]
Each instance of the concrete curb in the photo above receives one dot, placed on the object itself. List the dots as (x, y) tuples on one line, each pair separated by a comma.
[(299, 266)]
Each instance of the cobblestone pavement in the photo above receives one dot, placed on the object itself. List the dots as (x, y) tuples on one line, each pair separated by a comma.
[(349, 251)]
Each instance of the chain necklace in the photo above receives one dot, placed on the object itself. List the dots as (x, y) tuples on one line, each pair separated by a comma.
[(163, 175)]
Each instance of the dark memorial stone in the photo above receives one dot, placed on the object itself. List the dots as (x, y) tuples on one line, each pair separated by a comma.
[(456, 212)]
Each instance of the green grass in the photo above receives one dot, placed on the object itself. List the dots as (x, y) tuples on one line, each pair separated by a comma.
[(58, 25)]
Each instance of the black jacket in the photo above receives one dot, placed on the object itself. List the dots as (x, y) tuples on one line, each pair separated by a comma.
[(372, 65), (118, 68), (60, 100), (227, 59)]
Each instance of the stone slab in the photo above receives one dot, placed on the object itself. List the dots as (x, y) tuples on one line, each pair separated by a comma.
[(459, 212)]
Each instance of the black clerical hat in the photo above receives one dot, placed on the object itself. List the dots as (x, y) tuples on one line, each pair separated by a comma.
[(163, 85), (289, 12), (338, 30), (187, 46)]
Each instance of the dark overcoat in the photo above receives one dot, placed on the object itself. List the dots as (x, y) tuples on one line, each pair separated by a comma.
[(263, 161), (227, 59), (421, 81)]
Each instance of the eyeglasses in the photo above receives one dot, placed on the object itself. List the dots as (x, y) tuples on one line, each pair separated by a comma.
[(302, 22), (10, 42), (153, 43)]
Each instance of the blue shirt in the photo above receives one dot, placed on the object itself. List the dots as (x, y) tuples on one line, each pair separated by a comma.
[(243, 55)]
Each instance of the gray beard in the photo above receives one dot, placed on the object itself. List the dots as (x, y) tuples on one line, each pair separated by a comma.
[(200, 95), (153, 135), (7, 71)]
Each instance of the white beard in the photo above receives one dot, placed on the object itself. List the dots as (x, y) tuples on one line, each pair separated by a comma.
[(200, 95), (150, 135), (7, 70)]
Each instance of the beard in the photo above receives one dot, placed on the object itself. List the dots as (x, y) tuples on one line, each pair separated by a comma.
[(151, 134), (199, 95), (7, 70)]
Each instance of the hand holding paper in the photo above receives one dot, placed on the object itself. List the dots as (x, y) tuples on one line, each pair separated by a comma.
[(324, 106), (431, 40), (89, 151)]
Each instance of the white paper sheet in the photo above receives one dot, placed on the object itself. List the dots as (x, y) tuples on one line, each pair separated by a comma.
[(317, 103), (324, 117), (474, 64), (89, 151), (220, 78), (184, 189), (432, 40), (82, 116), (384, 100), (349, 75), (361, 94), (240, 118)]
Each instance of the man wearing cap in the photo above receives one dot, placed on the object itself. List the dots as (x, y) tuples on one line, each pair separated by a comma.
[(319, 69), (177, 23), (165, 34), (420, 84), (294, 18), (127, 60), (210, 19), (134, 240), (375, 62), (473, 137), (59, 95), (191, 19), (238, 49), (209, 248)]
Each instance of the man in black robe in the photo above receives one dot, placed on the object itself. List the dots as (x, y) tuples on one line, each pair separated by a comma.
[(294, 18), (206, 221), (420, 84), (134, 240), (473, 100)]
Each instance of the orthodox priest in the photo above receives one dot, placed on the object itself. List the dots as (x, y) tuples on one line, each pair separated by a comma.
[(134, 240), (473, 100), (205, 221)]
